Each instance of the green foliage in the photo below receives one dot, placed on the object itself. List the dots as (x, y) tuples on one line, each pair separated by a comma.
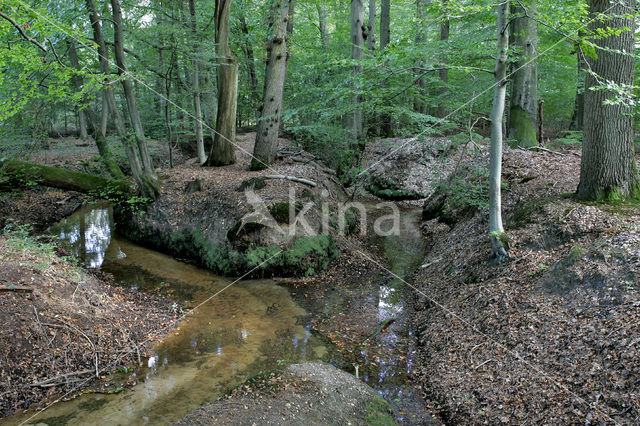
[(468, 187), (572, 137), (20, 239)]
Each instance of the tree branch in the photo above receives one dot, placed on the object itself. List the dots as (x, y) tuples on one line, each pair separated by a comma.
[(23, 33)]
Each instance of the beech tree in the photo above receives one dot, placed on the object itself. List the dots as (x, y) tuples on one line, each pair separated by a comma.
[(523, 112), (608, 169), (266, 146), (496, 229), (223, 151), (196, 86), (357, 49)]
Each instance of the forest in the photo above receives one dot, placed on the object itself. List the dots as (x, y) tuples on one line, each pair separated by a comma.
[(319, 212)]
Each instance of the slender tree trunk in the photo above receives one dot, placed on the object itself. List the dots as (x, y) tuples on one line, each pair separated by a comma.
[(523, 111), (371, 28), (445, 29), (322, 24), (496, 230), (251, 62), (266, 146), (419, 103), (99, 137), (608, 170), (77, 84), (357, 48), (577, 120), (202, 157), (385, 23), (118, 41), (147, 186), (222, 151)]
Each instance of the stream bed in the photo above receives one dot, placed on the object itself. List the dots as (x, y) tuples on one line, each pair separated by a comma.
[(248, 327)]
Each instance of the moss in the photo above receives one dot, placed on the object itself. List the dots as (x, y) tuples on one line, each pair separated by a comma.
[(389, 189), (252, 183), (524, 127), (380, 413), (280, 211)]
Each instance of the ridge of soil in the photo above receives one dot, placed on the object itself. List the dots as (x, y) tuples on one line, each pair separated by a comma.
[(550, 337)]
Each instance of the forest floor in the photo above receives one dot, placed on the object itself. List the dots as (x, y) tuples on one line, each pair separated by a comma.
[(553, 335)]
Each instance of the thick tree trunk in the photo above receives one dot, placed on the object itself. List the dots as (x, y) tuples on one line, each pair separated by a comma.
[(608, 170), (266, 146), (496, 229), (445, 29), (202, 157), (371, 28), (322, 24), (222, 151), (357, 48), (56, 177), (523, 112)]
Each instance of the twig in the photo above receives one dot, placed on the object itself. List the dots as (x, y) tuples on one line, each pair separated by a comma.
[(50, 382), (314, 164), (95, 352), (543, 149), (17, 288), (293, 179), (486, 362)]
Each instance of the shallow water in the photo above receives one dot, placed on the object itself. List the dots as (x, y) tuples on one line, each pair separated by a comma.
[(250, 327)]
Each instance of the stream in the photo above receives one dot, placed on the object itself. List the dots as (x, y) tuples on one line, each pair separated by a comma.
[(250, 327)]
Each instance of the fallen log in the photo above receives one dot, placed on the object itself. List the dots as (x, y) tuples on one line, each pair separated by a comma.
[(381, 327), (293, 179), (56, 177), (314, 164), (16, 288)]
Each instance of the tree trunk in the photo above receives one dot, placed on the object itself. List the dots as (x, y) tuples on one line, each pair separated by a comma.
[(445, 29), (118, 41), (357, 48), (202, 157), (266, 146), (385, 23), (56, 177), (577, 120), (322, 24), (419, 103), (496, 230), (608, 170), (371, 28), (99, 137), (148, 187), (251, 65), (523, 111), (222, 151)]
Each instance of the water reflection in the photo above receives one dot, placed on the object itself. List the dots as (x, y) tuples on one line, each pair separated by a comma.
[(250, 327)]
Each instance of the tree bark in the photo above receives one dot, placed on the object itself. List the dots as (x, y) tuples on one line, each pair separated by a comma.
[(266, 146), (577, 120), (322, 24), (118, 41), (251, 65), (385, 23), (496, 229), (419, 103), (608, 170), (357, 48), (202, 157), (445, 29), (56, 177), (371, 28), (222, 151), (523, 111), (148, 187), (91, 123)]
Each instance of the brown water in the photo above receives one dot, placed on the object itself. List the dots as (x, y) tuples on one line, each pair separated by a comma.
[(250, 327)]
